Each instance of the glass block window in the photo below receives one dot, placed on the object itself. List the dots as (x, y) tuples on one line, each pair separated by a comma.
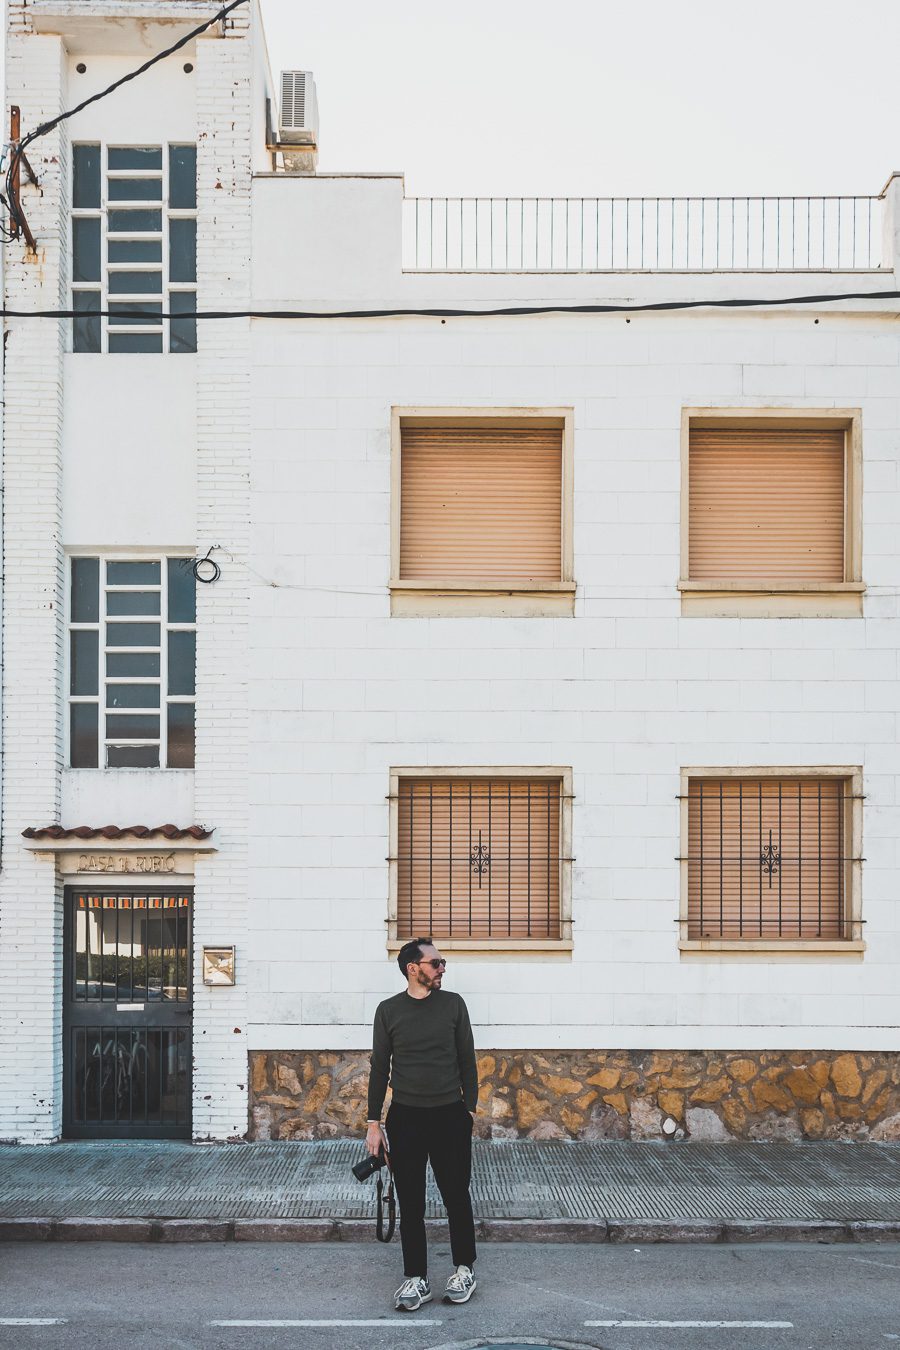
[(132, 657), (134, 247)]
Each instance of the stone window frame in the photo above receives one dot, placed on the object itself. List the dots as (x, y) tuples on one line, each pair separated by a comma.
[(513, 947), (791, 599), (744, 948), (424, 599)]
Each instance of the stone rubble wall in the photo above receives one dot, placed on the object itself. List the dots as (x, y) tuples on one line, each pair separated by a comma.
[(607, 1094)]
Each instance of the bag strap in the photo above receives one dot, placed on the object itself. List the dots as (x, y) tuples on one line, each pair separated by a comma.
[(385, 1194)]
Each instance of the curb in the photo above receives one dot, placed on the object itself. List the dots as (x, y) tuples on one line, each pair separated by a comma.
[(633, 1231)]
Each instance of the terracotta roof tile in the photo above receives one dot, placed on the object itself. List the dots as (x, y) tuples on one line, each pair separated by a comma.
[(116, 832)]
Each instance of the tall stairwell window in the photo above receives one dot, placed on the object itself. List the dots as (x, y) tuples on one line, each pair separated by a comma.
[(134, 248), (132, 658)]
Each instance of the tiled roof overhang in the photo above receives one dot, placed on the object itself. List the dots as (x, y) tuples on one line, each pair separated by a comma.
[(111, 832)]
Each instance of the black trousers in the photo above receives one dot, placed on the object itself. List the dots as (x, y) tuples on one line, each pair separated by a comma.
[(443, 1135)]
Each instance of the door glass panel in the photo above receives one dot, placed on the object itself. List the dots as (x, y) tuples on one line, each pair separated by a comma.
[(139, 956)]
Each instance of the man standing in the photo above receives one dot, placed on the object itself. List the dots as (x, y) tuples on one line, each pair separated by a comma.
[(422, 1040)]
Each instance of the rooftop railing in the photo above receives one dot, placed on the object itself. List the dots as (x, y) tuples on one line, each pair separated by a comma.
[(641, 234)]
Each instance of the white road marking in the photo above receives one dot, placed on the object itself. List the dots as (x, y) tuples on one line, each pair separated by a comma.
[(327, 1322), (767, 1326), (885, 1265), (32, 1321)]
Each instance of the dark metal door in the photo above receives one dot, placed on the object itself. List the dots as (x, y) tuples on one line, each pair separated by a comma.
[(127, 1013)]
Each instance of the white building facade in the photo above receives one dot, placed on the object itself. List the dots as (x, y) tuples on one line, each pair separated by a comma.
[(570, 637)]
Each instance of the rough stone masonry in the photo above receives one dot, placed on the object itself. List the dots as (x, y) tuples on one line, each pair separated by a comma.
[(607, 1094)]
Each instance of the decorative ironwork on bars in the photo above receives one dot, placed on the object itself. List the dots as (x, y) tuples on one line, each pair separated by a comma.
[(479, 857), (646, 234), (768, 858)]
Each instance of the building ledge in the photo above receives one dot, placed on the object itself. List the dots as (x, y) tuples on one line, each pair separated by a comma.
[(751, 946), (112, 27), (517, 947)]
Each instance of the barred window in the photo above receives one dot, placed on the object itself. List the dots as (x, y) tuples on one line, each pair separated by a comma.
[(479, 858), (132, 657), (134, 247), (770, 858)]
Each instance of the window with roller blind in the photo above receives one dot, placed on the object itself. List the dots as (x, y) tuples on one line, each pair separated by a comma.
[(771, 512), (771, 857), (481, 857), (482, 511)]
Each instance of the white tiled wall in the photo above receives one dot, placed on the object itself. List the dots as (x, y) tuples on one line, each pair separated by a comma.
[(626, 692)]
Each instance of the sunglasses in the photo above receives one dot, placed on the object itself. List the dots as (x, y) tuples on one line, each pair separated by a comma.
[(435, 963)]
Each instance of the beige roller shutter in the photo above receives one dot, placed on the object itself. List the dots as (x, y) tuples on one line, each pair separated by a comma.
[(481, 504), (478, 858), (766, 858), (766, 505)]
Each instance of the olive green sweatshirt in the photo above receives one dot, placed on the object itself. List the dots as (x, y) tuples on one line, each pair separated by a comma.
[(426, 1046)]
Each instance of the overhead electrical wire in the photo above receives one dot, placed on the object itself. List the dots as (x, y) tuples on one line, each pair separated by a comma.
[(15, 229), (436, 312)]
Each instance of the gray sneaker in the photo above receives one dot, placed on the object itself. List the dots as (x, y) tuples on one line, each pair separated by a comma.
[(412, 1294), (460, 1286)]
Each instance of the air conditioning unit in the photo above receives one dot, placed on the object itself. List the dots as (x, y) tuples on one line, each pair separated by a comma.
[(299, 121)]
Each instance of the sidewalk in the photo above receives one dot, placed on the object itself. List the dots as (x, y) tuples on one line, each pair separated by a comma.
[(588, 1192)]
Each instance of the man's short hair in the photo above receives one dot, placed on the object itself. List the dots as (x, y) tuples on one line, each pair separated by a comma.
[(412, 951)]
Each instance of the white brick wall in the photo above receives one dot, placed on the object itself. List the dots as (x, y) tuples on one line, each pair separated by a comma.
[(223, 449), (30, 908)]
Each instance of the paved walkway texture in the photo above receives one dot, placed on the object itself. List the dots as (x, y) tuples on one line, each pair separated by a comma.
[(575, 1191)]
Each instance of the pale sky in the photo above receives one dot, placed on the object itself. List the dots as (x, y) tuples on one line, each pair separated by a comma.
[(602, 97)]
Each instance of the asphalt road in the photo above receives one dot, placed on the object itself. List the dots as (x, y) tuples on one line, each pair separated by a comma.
[(161, 1297)]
